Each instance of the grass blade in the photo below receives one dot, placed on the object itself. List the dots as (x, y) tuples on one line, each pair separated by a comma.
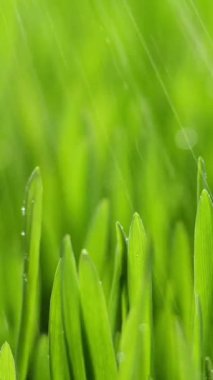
[(135, 346), (181, 277), (140, 320), (7, 365), (41, 367), (118, 282), (96, 321), (201, 178), (198, 340), (203, 265), (173, 356), (30, 308), (137, 258), (98, 232), (71, 310), (58, 356)]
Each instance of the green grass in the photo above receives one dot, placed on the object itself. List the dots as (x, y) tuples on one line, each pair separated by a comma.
[(113, 321), (113, 101)]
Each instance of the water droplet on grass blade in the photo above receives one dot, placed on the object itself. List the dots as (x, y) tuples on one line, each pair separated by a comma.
[(23, 211), (23, 233), (84, 252), (25, 277)]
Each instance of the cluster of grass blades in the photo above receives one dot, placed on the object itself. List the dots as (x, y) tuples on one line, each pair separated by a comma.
[(108, 318)]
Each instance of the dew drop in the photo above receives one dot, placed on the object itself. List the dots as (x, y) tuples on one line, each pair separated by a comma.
[(23, 234), (23, 211)]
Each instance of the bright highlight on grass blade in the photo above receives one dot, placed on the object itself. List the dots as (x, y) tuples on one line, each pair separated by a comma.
[(71, 310), (30, 307), (203, 266), (59, 368), (96, 321), (7, 365)]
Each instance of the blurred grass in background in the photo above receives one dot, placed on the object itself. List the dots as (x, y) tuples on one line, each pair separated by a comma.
[(98, 94)]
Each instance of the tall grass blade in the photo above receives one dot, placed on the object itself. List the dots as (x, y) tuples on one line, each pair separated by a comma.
[(71, 310), (203, 266), (96, 321), (59, 368), (30, 307)]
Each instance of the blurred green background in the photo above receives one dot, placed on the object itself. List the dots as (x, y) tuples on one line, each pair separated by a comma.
[(112, 99)]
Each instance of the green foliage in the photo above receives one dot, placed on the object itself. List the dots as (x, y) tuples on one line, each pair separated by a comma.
[(113, 101), (127, 332)]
